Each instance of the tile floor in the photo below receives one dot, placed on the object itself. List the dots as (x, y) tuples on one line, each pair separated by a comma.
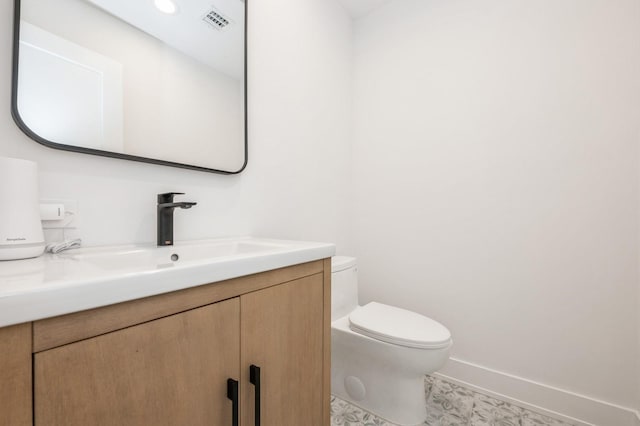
[(449, 405)]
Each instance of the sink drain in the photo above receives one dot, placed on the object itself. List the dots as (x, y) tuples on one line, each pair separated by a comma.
[(175, 257)]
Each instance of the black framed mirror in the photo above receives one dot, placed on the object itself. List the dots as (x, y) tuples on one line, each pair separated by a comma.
[(156, 81)]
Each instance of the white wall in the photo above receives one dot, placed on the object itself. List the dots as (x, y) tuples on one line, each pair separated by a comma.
[(299, 125), (496, 181)]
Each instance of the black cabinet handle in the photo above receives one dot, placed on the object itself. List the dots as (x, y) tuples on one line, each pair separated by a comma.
[(254, 378), (232, 394)]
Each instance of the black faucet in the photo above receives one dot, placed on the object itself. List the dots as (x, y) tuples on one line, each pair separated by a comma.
[(165, 216)]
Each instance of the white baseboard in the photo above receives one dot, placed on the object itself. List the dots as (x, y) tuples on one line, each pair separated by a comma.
[(554, 402)]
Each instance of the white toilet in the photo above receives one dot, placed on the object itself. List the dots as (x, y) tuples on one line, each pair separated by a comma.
[(380, 353)]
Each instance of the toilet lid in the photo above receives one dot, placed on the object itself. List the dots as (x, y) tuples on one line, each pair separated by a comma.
[(399, 326)]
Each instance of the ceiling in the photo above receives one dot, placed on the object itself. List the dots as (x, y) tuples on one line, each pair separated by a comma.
[(186, 31), (359, 8)]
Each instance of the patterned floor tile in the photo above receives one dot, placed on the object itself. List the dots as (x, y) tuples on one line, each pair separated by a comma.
[(346, 414), (450, 399), (446, 420), (428, 386), (489, 411), (449, 405), (437, 416)]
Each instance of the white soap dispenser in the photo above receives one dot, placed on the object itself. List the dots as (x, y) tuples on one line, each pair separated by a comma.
[(21, 235)]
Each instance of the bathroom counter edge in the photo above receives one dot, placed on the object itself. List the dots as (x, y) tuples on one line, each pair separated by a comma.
[(58, 296)]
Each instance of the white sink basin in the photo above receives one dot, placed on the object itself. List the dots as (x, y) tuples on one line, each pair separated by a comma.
[(137, 257), (87, 278)]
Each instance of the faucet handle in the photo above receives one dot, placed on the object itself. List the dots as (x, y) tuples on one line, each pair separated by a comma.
[(167, 197)]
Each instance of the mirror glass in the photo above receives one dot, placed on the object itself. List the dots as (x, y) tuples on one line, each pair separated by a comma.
[(161, 81)]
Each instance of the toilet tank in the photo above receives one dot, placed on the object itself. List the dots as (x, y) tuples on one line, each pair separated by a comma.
[(344, 286)]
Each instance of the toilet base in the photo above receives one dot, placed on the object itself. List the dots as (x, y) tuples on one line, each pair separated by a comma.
[(395, 398), (401, 402)]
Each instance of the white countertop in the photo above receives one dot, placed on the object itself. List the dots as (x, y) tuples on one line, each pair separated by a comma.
[(87, 278)]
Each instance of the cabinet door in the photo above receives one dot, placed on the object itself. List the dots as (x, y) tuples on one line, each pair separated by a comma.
[(171, 371), (282, 334), (15, 375)]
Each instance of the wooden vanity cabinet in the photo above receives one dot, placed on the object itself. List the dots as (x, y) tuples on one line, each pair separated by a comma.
[(171, 371), (167, 359)]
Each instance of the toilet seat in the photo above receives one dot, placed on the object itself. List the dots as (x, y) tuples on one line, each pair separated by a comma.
[(399, 327)]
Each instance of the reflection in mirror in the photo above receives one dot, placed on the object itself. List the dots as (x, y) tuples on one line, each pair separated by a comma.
[(124, 78)]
